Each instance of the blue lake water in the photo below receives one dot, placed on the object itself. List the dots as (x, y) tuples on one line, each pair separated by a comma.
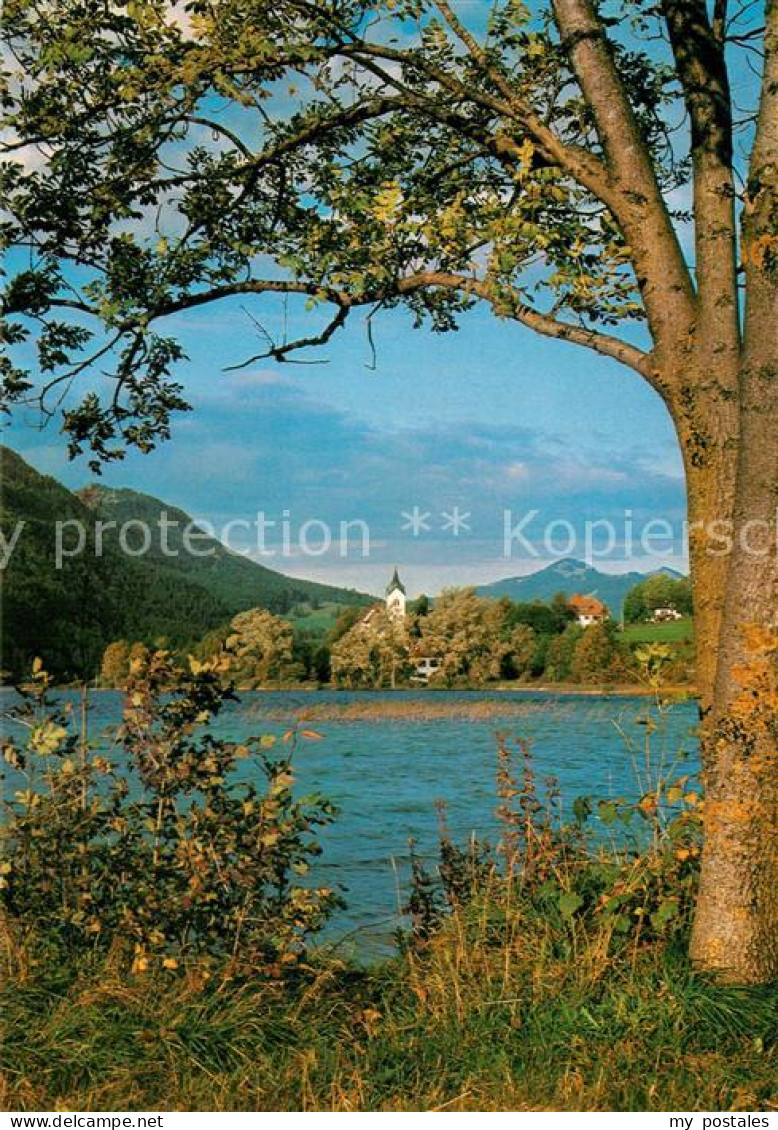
[(385, 774)]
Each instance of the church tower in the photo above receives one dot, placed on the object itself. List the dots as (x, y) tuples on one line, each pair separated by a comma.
[(395, 598)]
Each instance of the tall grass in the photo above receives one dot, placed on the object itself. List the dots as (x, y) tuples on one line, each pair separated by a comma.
[(526, 1013)]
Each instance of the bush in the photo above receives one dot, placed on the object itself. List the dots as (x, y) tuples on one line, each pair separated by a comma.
[(637, 890), (146, 847)]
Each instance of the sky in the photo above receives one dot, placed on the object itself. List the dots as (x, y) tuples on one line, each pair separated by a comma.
[(461, 458)]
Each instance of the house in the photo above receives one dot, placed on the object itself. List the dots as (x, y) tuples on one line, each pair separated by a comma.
[(588, 610), (665, 615), (426, 666)]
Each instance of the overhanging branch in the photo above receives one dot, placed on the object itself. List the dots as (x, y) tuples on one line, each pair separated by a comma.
[(504, 301), (281, 352)]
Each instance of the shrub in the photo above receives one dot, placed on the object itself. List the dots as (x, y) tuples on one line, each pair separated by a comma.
[(146, 846), (632, 882)]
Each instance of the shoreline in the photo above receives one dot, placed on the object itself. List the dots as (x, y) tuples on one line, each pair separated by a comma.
[(560, 690)]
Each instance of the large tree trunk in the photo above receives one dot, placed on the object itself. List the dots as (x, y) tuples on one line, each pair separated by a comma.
[(735, 931), (736, 927)]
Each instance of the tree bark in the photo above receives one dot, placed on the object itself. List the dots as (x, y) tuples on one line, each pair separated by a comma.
[(734, 560), (735, 932)]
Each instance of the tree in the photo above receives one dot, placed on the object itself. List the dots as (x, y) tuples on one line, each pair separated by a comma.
[(561, 610), (372, 653), (523, 645), (116, 664), (465, 630), (658, 591), (595, 654), (421, 605), (561, 652), (260, 646), (634, 608), (546, 619), (139, 655), (347, 618), (525, 160)]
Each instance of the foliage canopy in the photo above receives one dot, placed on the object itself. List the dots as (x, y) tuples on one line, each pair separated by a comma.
[(356, 154)]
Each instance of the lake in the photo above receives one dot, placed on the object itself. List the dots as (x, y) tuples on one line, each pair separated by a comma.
[(387, 757)]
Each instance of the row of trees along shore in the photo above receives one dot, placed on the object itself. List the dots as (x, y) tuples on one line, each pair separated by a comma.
[(430, 156), (477, 640)]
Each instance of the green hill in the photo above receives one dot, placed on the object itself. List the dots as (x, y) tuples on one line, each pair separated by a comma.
[(236, 581), (68, 614)]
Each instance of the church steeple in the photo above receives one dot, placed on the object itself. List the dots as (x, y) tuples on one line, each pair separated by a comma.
[(395, 583), (395, 597)]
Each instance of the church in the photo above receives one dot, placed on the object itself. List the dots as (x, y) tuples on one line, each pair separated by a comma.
[(396, 598), (395, 602), (395, 606)]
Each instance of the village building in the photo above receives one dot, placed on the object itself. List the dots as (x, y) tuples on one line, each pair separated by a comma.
[(425, 667), (665, 615), (588, 610), (394, 604)]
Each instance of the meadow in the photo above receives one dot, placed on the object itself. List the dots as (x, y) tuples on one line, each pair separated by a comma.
[(675, 631)]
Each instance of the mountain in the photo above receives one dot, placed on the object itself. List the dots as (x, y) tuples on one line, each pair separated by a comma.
[(234, 580), (571, 576), (67, 611)]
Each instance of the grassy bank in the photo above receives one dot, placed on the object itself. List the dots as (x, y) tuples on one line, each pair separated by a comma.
[(158, 943), (675, 631), (492, 1015)]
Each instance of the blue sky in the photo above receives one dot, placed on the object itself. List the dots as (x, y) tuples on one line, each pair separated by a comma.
[(490, 419), (487, 421)]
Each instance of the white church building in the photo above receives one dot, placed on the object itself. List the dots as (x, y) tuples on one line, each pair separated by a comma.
[(396, 598), (396, 607)]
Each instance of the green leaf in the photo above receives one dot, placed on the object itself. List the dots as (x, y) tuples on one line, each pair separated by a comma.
[(569, 903)]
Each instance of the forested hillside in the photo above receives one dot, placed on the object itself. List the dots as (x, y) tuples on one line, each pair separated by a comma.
[(68, 614), (237, 581)]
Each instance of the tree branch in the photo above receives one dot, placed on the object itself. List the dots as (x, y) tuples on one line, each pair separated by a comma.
[(314, 129), (281, 353), (702, 69), (583, 166), (664, 280), (508, 304)]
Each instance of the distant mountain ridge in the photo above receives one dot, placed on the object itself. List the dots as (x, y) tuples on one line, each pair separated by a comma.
[(569, 576), (68, 615)]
